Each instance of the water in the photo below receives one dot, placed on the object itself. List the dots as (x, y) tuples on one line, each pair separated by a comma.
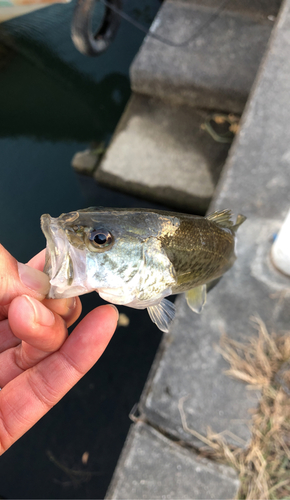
[(53, 103)]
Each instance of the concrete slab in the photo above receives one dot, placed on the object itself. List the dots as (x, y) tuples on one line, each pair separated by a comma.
[(255, 182), (160, 152), (259, 9), (212, 68), (153, 467)]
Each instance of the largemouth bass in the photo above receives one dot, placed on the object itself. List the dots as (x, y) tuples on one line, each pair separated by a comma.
[(137, 257)]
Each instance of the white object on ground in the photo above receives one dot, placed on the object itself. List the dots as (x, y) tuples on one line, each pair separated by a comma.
[(281, 248)]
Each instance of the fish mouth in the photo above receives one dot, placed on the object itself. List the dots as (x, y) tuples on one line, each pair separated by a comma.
[(64, 264), (58, 265)]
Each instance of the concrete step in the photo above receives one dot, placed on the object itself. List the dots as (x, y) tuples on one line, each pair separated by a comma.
[(160, 152), (181, 473), (215, 62), (258, 9)]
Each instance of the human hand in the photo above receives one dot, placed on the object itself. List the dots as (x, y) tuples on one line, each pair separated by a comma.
[(39, 363)]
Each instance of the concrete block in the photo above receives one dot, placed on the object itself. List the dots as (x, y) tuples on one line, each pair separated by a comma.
[(160, 152), (255, 182), (212, 68), (153, 467), (85, 162), (258, 9)]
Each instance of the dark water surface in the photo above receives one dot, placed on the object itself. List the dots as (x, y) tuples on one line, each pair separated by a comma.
[(53, 103)]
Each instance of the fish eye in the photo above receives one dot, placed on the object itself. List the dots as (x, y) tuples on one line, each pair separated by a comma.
[(100, 238)]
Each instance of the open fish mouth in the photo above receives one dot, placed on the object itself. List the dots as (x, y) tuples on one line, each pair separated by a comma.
[(58, 264), (55, 247), (64, 265)]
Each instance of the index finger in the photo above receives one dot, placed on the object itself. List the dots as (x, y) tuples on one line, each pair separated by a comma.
[(25, 399), (18, 279), (59, 306)]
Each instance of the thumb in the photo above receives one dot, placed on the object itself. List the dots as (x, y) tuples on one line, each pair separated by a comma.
[(20, 279)]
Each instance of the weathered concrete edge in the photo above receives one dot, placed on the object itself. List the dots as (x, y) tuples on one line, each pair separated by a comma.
[(252, 8), (167, 196), (193, 95), (225, 473), (200, 97), (127, 445)]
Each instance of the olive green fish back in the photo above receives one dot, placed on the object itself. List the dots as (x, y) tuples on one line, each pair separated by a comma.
[(200, 251)]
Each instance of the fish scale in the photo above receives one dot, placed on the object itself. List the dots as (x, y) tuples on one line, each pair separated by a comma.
[(199, 251)]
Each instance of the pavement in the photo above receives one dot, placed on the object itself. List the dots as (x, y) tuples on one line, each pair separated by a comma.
[(161, 457)]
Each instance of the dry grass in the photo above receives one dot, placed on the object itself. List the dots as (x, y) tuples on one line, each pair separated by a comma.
[(264, 465)]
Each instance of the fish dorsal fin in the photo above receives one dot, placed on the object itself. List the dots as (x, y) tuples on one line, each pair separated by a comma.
[(196, 298), (223, 218), (240, 219), (162, 314)]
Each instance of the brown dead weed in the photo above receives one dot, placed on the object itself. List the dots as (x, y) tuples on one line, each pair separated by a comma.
[(264, 465)]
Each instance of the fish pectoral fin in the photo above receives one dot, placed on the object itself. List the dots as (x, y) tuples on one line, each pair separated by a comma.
[(162, 314), (196, 298)]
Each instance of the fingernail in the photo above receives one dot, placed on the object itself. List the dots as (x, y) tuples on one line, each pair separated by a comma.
[(71, 303), (33, 279), (42, 315), (114, 307)]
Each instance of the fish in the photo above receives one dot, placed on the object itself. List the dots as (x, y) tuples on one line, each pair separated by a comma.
[(138, 257)]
